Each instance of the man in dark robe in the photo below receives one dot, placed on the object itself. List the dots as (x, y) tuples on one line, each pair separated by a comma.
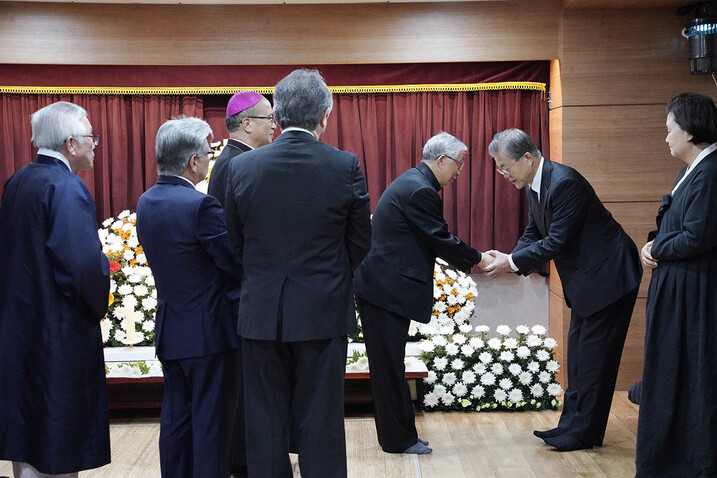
[(54, 290)]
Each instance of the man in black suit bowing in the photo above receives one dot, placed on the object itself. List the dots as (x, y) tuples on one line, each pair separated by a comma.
[(298, 214), (395, 282), (250, 122), (600, 271)]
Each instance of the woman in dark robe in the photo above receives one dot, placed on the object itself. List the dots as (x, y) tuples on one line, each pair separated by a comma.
[(677, 427)]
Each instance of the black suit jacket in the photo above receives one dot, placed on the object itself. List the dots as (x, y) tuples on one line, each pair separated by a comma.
[(596, 260), (408, 233), (298, 213), (220, 171)]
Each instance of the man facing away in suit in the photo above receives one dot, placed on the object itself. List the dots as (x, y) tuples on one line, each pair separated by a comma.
[(394, 284), (599, 268), (54, 288), (184, 236), (298, 215), (250, 122)]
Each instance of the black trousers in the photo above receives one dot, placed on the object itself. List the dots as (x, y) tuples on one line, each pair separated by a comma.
[(385, 334), (595, 346), (197, 414), (295, 388), (238, 436)]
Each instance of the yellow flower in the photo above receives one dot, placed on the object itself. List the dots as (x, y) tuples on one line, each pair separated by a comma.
[(112, 299)]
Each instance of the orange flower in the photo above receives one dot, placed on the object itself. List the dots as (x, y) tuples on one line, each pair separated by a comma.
[(111, 300)]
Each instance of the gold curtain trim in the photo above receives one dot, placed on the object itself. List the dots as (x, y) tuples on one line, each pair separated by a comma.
[(74, 90)]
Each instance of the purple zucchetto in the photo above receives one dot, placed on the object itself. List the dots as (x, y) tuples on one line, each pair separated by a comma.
[(241, 101)]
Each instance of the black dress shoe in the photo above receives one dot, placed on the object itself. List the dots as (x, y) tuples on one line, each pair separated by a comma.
[(553, 432), (565, 442), (239, 471)]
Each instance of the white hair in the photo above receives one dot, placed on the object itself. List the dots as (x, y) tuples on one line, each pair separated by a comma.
[(440, 144), (53, 124)]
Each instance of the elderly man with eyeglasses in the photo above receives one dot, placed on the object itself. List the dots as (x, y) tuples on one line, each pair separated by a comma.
[(394, 284), (599, 268), (184, 236), (54, 285)]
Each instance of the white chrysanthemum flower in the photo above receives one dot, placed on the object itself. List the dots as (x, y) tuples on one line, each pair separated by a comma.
[(449, 378), (426, 346), (148, 326), (439, 306), (465, 403), (132, 242), (514, 369), (444, 319), (124, 289), (525, 378), (542, 355), (439, 390), (363, 362), (500, 395), (132, 217), (533, 366), (550, 343), (452, 349), (496, 368), (451, 273), (107, 222), (554, 389), (448, 399), (503, 330), (457, 364), (515, 395), (128, 254), (495, 343), (459, 339), (505, 383), (437, 292), (412, 328), (507, 356), (460, 390), (127, 227), (485, 357), (545, 377), (431, 378), (353, 368), (129, 301), (477, 391), (452, 300), (141, 290), (429, 329), (440, 363), (523, 352), (439, 275), (439, 341), (522, 329), (487, 379), (476, 342), (430, 400), (135, 279), (113, 286), (105, 327), (154, 293), (123, 214), (552, 366), (465, 328), (141, 259), (467, 350), (117, 225), (448, 328), (536, 390), (482, 328), (468, 377), (538, 330), (510, 343), (533, 341)]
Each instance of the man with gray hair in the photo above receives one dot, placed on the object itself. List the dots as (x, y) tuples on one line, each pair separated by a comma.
[(394, 284), (298, 215), (54, 289), (184, 236), (600, 271)]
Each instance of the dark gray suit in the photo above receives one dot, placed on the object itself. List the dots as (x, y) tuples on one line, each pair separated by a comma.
[(600, 270), (394, 284), (220, 171), (298, 213)]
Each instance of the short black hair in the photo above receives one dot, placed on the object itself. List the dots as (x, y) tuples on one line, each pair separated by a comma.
[(696, 114)]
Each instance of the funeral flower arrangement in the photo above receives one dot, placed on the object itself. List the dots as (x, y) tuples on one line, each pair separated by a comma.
[(217, 147), (133, 297), (467, 370)]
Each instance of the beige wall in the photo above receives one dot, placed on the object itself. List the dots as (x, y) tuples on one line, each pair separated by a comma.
[(616, 70)]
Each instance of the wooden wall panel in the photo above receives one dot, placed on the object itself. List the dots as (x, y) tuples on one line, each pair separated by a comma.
[(621, 150), (615, 57), (558, 324), (633, 353), (53, 33)]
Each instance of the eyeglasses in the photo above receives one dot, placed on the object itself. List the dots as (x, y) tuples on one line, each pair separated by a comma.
[(506, 171), (95, 138), (268, 118), (459, 161), (210, 154)]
